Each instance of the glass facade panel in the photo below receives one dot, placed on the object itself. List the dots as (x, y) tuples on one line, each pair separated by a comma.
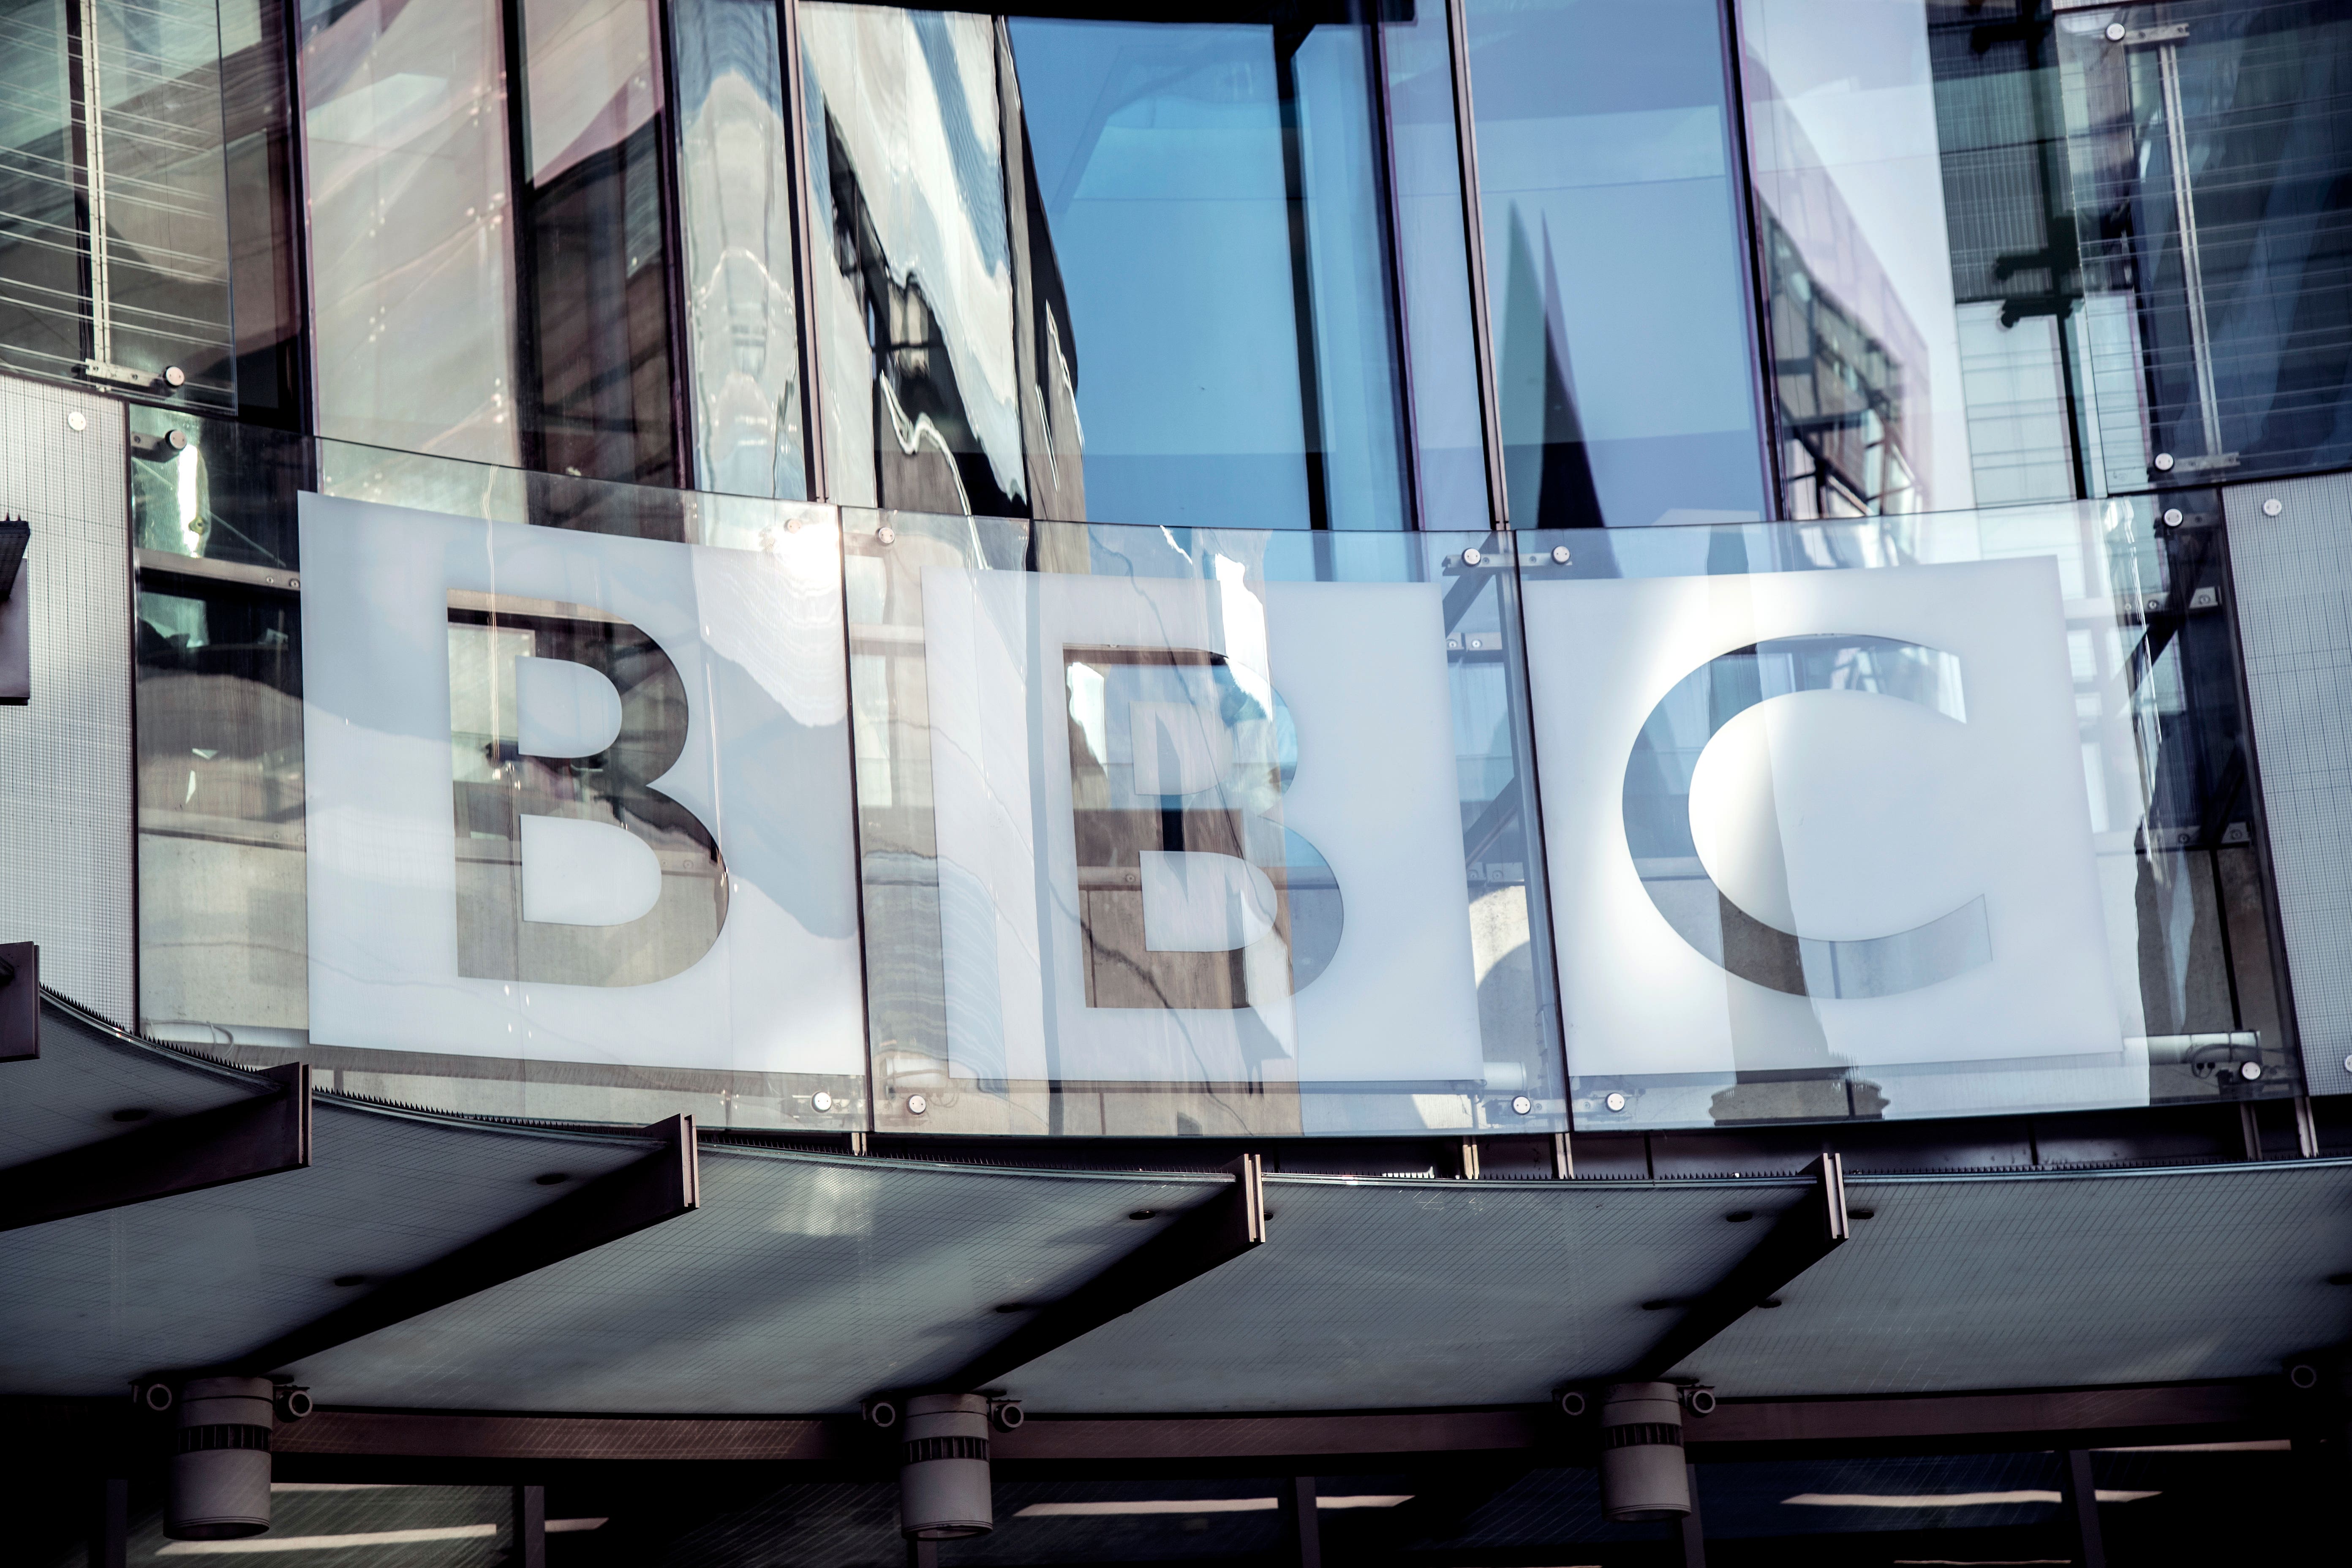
[(1615, 273), (2210, 147), (735, 212), (114, 246), (1774, 901), (43, 315), (434, 799), (1216, 832), (412, 230)]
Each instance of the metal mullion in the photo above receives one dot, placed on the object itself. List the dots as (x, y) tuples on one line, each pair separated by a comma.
[(1392, 233), (669, 169), (800, 199), (1287, 45), (1758, 304), (1474, 235), (529, 424)]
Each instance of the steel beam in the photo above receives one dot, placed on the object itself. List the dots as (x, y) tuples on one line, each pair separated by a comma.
[(20, 1001), (2041, 1418), (258, 1137), (1203, 1238), (620, 1203), (1802, 1236)]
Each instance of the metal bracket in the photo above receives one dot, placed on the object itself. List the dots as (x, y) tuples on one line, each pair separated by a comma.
[(1215, 1232), (258, 1137), (621, 1202), (1804, 1234), (20, 1001)]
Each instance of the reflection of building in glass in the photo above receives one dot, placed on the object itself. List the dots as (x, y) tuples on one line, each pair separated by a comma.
[(1838, 391)]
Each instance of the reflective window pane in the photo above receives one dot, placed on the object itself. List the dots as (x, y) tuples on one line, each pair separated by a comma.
[(411, 231), (1219, 832), (2016, 878), (114, 245), (914, 289), (257, 97), (736, 213), (1141, 272), (1910, 172), (1208, 198), (598, 391), (2212, 149), (1434, 262), (1617, 282)]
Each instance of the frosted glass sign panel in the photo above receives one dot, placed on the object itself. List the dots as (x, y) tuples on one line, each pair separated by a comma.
[(1176, 834), (1868, 820), (578, 803)]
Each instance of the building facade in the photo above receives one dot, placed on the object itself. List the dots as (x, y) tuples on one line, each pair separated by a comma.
[(1458, 782)]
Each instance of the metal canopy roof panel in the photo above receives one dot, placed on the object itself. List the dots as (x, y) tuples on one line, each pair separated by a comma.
[(803, 1283), (1405, 1293), (2058, 1279), (190, 1280), (68, 1095)]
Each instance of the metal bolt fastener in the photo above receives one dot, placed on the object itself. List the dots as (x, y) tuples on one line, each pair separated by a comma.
[(1559, 555), (175, 376), (1471, 557), (2273, 507), (821, 1100), (77, 420), (176, 439), (2172, 517), (1615, 1101), (917, 1104), (2249, 1072), (2115, 34), (886, 535), (2164, 462), (1521, 1105)]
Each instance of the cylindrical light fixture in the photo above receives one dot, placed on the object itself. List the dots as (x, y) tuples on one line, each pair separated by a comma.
[(943, 1467), (220, 1461), (1642, 1470)]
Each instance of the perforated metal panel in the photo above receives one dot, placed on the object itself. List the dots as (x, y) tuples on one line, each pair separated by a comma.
[(197, 1280), (65, 760), (2293, 580), (2074, 1279), (805, 1282)]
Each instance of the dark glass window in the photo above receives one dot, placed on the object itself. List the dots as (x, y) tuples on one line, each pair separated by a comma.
[(598, 384)]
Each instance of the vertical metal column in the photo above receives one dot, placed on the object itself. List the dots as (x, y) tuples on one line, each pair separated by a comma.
[(109, 1532), (1689, 1532), (1302, 1539), (530, 1528), (1473, 236), (2082, 1508)]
